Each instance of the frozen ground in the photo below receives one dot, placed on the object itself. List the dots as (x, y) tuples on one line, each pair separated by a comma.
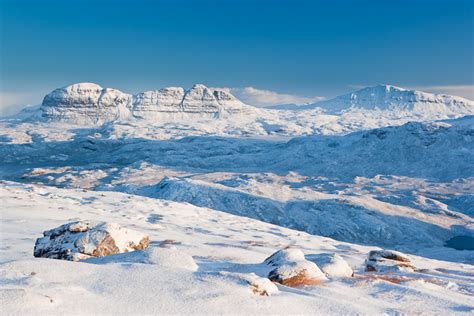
[(227, 249), (223, 193)]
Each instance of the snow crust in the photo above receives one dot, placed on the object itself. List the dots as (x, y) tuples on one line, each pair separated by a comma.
[(227, 249)]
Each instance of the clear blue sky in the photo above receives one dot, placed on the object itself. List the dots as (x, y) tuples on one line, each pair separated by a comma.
[(307, 48)]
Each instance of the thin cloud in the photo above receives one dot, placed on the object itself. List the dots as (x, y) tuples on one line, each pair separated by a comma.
[(13, 102), (465, 91), (264, 98)]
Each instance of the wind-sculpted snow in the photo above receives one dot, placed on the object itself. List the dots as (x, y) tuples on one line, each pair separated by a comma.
[(201, 261)]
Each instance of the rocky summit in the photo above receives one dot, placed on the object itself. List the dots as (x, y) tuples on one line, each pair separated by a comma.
[(89, 103)]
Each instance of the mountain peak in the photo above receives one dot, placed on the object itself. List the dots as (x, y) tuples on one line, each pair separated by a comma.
[(89, 103), (389, 97)]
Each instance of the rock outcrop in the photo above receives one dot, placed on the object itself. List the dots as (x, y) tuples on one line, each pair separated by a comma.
[(89, 103), (388, 261), (292, 269), (81, 240), (86, 103)]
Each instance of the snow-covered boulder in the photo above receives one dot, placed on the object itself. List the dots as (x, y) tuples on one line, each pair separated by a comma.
[(292, 269), (388, 261), (81, 240), (333, 265), (86, 103)]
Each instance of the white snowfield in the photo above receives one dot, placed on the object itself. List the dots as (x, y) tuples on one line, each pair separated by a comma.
[(218, 186), (199, 261)]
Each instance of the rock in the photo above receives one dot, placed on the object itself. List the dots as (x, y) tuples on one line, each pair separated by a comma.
[(388, 261), (200, 99), (292, 269), (197, 101), (89, 103), (80, 240), (86, 103), (149, 104), (333, 265)]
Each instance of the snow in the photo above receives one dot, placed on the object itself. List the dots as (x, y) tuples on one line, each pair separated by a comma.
[(173, 112), (333, 265), (218, 186), (227, 250), (396, 99)]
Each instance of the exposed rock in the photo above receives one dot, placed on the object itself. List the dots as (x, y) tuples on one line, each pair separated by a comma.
[(333, 265), (86, 103), (149, 103), (388, 261), (197, 100), (292, 269), (89, 103), (80, 240), (200, 99)]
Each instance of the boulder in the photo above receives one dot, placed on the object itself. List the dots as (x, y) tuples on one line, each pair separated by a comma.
[(81, 240), (292, 269), (333, 265), (388, 261)]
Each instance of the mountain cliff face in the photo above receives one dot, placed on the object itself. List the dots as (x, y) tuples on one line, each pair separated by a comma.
[(86, 103), (89, 103), (386, 97)]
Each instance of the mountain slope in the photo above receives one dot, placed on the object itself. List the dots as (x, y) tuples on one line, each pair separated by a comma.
[(396, 99), (228, 251), (89, 103)]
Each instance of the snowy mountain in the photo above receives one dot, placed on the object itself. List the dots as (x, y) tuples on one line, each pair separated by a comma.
[(217, 186), (89, 103), (86, 103), (214, 110), (396, 99)]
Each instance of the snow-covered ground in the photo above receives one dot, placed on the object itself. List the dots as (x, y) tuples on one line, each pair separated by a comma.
[(228, 251), (219, 186)]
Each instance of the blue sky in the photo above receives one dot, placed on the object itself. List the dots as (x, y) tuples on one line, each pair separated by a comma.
[(298, 48)]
